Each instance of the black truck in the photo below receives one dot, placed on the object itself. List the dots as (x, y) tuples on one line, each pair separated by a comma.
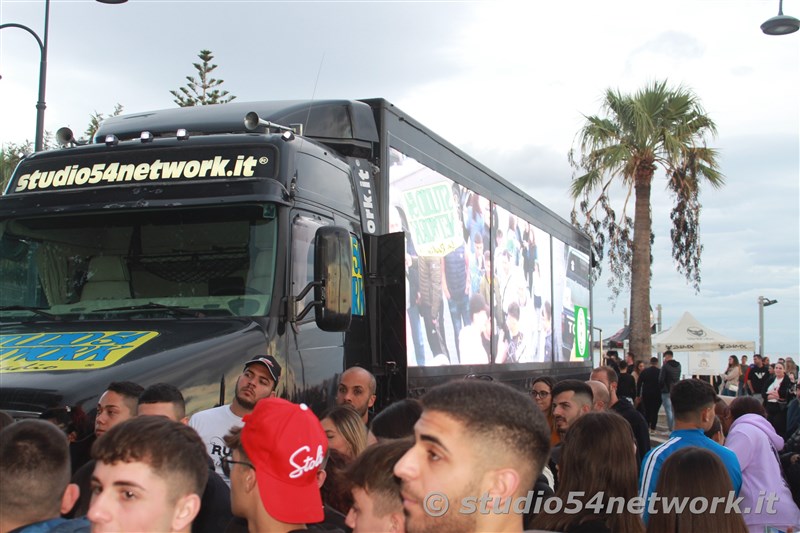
[(181, 243)]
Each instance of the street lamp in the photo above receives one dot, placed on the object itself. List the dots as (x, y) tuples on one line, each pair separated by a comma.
[(38, 145), (601, 344), (762, 303), (780, 24)]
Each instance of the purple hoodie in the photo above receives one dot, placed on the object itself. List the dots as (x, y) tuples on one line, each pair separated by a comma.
[(752, 439)]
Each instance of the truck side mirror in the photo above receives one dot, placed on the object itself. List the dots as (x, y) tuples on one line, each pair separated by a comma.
[(333, 267)]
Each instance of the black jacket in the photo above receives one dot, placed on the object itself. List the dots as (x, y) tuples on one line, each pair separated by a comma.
[(670, 375)]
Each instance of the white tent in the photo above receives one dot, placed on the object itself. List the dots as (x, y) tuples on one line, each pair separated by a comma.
[(689, 335)]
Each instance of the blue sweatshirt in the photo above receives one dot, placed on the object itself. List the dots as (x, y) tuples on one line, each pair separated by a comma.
[(681, 438)]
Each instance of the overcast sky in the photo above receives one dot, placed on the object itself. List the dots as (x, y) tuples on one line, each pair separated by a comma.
[(508, 82)]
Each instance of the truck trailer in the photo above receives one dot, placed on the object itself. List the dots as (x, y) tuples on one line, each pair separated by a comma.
[(181, 243)]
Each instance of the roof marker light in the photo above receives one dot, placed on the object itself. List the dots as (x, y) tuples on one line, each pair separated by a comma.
[(111, 140), (146, 137), (182, 134)]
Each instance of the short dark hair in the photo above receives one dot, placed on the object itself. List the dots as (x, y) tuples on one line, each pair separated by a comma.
[(668, 353), (373, 471), (654, 360), (689, 396), (129, 391), (35, 470), (397, 419), (580, 388), (174, 451), (513, 310), (745, 405), (165, 393), (504, 420)]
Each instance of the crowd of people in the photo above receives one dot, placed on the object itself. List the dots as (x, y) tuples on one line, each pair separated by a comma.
[(469, 455)]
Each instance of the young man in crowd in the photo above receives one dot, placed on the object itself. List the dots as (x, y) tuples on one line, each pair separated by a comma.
[(35, 488), (758, 377), (117, 404), (649, 393), (670, 374), (149, 474), (693, 401), (258, 381), (601, 398), (635, 419), (743, 369), (273, 468), (377, 503), (572, 399), (163, 399), (357, 388), (478, 443), (626, 383)]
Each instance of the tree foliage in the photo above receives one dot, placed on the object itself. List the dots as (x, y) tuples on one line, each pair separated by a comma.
[(12, 153), (620, 149), (10, 156), (203, 90), (96, 118)]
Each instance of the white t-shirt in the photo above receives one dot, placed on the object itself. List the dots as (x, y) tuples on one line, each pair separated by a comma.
[(774, 386), (212, 425)]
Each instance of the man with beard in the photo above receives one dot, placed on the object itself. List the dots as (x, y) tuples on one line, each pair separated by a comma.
[(572, 399), (258, 381), (481, 446), (357, 389)]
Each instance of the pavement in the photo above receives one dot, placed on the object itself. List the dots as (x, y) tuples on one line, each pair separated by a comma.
[(662, 430)]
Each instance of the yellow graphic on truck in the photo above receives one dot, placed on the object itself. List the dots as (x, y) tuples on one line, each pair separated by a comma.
[(37, 352)]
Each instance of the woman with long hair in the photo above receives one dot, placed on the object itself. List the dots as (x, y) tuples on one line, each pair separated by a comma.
[(730, 378), (602, 485), (777, 396), (698, 477), (791, 369), (345, 430), (541, 392)]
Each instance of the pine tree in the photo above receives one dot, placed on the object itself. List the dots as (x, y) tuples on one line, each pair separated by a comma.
[(205, 91), (96, 118)]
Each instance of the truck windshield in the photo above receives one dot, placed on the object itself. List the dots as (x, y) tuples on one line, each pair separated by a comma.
[(213, 261)]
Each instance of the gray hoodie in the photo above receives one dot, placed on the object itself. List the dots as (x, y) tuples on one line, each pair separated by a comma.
[(670, 375)]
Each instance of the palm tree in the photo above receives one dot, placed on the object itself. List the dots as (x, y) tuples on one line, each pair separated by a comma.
[(658, 126)]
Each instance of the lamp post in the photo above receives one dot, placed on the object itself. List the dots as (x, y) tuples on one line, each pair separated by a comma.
[(40, 105), (762, 303), (780, 24), (38, 145), (601, 345)]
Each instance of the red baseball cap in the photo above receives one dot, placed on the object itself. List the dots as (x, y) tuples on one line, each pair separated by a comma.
[(286, 444)]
